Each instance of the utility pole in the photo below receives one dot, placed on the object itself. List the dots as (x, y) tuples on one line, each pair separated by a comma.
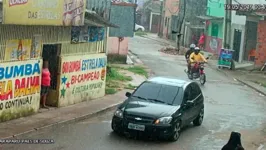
[(161, 19), (227, 26), (181, 18)]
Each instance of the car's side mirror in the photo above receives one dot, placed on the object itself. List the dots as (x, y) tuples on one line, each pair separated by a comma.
[(128, 94)]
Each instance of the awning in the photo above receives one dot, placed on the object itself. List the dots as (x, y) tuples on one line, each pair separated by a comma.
[(196, 26), (91, 18), (210, 18)]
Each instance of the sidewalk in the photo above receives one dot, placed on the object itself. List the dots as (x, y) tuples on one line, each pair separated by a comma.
[(256, 81), (155, 37), (59, 116)]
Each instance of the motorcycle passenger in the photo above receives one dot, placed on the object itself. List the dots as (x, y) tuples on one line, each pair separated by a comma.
[(196, 56), (188, 53)]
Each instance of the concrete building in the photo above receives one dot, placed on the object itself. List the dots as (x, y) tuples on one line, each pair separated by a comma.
[(74, 44), (169, 18), (254, 47)]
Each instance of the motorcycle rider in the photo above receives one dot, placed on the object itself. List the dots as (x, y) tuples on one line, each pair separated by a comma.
[(196, 56), (188, 53)]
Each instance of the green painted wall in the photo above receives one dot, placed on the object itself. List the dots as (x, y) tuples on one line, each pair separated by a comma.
[(220, 29), (216, 8)]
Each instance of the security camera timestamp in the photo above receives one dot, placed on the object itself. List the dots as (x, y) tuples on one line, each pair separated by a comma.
[(245, 7)]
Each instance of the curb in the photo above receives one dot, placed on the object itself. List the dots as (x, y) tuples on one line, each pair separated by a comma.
[(134, 57), (239, 80), (250, 86), (65, 122)]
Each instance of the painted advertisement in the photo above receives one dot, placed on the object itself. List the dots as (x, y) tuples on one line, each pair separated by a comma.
[(36, 46), (18, 49), (87, 34), (213, 44), (44, 12), (19, 88), (82, 78)]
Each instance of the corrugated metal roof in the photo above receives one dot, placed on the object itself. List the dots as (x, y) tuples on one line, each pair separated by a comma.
[(92, 18)]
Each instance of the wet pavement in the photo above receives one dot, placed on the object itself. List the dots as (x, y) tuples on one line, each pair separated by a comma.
[(230, 106)]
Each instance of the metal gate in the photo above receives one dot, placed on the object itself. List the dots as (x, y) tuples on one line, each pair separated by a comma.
[(236, 44)]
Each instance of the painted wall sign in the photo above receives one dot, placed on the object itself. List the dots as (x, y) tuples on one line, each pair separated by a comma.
[(19, 87), (213, 44), (44, 12), (36, 46), (18, 49), (87, 34), (82, 78)]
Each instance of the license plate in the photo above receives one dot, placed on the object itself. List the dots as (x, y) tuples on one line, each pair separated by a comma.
[(136, 127)]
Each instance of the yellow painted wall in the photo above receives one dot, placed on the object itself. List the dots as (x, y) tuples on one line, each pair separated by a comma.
[(50, 35), (19, 88), (82, 78)]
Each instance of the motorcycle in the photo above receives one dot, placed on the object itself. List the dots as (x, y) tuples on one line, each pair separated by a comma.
[(197, 71)]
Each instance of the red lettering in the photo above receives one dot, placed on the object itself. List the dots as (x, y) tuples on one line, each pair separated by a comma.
[(80, 78), (23, 83), (86, 77), (73, 79), (3, 97), (92, 76), (34, 81), (69, 67), (29, 82), (97, 75), (9, 95), (17, 2), (37, 81), (6, 90), (17, 84), (65, 67)]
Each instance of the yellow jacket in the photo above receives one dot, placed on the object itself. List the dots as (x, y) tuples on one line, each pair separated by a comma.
[(197, 58)]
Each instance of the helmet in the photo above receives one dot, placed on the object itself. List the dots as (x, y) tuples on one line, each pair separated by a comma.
[(197, 50), (192, 46)]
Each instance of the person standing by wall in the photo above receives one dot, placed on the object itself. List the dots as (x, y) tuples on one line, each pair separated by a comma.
[(46, 81), (201, 41)]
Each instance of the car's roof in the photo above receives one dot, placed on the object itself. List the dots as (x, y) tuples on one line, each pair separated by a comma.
[(169, 81)]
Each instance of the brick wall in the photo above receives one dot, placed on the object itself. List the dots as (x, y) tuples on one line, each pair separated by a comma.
[(261, 44)]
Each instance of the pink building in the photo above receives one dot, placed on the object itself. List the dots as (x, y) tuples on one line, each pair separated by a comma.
[(169, 22), (117, 45)]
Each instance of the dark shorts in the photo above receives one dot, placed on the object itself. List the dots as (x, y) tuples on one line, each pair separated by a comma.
[(44, 90)]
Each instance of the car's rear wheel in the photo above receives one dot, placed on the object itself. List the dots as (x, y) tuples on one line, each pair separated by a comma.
[(177, 131), (198, 121)]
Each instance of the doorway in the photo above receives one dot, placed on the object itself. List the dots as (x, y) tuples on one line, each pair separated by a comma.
[(51, 53), (236, 44), (251, 38)]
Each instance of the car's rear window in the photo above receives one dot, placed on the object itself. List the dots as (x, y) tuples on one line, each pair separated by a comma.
[(165, 93)]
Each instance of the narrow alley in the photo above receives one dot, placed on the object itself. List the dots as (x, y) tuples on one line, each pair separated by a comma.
[(230, 106)]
